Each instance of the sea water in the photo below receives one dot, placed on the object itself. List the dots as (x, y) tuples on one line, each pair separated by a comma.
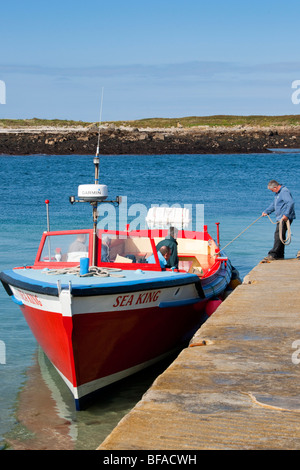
[(233, 190)]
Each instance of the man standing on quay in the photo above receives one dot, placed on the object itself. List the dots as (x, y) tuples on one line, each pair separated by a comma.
[(284, 208)]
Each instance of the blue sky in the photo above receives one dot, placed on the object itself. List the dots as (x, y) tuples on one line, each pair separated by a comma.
[(166, 58)]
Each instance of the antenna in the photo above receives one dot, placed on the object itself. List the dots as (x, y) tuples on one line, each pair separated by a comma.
[(100, 121), (96, 159), (94, 193)]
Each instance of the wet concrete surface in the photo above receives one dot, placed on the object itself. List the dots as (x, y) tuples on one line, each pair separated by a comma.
[(237, 385)]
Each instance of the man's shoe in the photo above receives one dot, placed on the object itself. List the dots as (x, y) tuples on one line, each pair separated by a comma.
[(269, 258)]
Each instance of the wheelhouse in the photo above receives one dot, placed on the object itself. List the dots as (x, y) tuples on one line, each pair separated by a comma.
[(119, 249), (128, 250)]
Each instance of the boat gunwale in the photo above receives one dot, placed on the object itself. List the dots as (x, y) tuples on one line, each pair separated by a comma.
[(10, 277)]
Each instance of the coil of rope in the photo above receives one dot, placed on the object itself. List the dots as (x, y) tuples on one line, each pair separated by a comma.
[(287, 241), (93, 271)]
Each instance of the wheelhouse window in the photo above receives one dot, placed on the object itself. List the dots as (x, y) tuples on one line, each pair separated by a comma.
[(64, 248), (131, 250)]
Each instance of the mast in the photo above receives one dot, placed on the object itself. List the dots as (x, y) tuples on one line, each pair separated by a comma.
[(96, 163), (94, 193), (95, 210)]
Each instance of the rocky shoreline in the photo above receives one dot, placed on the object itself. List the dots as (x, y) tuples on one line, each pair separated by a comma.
[(125, 140)]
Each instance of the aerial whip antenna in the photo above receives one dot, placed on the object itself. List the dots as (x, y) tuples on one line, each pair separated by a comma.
[(100, 121), (96, 159), (94, 193)]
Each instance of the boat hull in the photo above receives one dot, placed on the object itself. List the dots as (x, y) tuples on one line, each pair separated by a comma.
[(96, 332), (96, 340)]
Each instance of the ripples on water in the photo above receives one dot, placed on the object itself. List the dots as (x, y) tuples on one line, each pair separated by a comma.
[(233, 191)]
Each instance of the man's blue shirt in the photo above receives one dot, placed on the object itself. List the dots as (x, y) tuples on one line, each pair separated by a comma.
[(283, 204), (161, 259)]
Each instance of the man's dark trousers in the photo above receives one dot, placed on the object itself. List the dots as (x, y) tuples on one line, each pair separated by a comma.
[(278, 248)]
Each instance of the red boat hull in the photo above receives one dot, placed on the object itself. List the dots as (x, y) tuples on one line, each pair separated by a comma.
[(100, 328), (92, 350)]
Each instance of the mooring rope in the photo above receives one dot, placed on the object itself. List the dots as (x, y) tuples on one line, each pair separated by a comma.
[(241, 233), (287, 241)]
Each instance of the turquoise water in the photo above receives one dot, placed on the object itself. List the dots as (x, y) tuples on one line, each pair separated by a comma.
[(232, 189)]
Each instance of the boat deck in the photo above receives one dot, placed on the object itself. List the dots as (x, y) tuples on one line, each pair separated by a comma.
[(48, 281), (239, 389), (51, 276)]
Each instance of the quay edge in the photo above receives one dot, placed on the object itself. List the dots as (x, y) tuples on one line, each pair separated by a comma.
[(237, 386)]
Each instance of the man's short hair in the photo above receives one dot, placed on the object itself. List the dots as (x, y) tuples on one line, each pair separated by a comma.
[(273, 184), (164, 250)]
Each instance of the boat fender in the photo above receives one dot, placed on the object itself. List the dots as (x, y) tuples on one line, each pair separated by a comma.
[(200, 290), (234, 283), (212, 306), (235, 280), (235, 274)]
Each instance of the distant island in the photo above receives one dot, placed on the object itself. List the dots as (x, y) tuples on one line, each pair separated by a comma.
[(163, 123), (187, 135)]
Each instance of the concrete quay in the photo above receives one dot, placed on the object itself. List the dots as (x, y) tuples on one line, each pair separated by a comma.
[(239, 390)]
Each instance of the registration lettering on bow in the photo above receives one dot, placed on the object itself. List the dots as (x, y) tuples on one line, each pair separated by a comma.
[(136, 299)]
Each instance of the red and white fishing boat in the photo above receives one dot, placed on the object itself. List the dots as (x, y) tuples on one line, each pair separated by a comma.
[(103, 314)]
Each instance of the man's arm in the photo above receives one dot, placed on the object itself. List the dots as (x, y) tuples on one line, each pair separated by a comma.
[(269, 210), (288, 207)]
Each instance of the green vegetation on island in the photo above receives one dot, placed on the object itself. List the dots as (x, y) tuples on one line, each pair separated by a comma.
[(185, 122), (220, 121), (36, 122)]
